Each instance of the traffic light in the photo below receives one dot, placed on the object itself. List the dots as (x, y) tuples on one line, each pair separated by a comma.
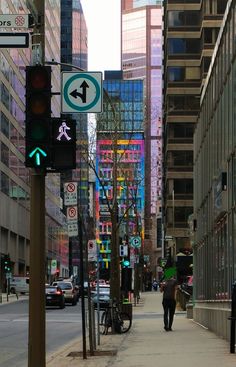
[(38, 132), (63, 143), (6, 264), (126, 279), (125, 263)]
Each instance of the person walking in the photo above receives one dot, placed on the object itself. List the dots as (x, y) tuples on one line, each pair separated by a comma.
[(169, 288)]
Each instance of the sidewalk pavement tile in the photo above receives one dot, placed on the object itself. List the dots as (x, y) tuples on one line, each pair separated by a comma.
[(148, 344)]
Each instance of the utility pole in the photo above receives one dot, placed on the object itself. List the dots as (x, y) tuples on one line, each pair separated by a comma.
[(36, 335)]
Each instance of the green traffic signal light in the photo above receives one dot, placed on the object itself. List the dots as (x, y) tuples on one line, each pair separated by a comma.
[(7, 264), (37, 153), (125, 263)]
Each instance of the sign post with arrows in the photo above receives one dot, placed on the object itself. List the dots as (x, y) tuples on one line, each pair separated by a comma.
[(81, 92)]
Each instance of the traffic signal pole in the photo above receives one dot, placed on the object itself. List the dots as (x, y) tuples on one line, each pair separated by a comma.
[(36, 333), (36, 343)]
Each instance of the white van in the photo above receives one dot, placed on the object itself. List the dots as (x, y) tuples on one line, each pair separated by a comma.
[(19, 285)]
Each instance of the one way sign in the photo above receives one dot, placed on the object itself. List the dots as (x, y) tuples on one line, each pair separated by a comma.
[(81, 92)]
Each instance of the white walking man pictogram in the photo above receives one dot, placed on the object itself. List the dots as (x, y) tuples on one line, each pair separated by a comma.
[(62, 131)]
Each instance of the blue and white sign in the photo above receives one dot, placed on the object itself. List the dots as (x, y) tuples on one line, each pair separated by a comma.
[(81, 92)]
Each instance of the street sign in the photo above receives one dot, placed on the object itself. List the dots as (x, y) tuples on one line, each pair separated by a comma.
[(92, 250), (72, 228), (72, 213), (81, 92), (53, 267), (14, 20), (14, 40), (70, 193), (123, 250), (135, 241)]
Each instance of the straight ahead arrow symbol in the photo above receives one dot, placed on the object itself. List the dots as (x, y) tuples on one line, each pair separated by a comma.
[(82, 95), (37, 151)]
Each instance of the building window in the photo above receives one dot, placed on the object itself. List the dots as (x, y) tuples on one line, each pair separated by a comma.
[(183, 46), (4, 183), (5, 154), (4, 125), (183, 18)]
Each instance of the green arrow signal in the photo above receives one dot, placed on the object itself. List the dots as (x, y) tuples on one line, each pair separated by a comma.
[(37, 151)]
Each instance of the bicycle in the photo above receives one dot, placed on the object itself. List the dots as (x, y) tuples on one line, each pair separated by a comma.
[(113, 316)]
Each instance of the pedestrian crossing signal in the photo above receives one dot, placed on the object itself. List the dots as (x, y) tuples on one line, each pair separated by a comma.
[(63, 143)]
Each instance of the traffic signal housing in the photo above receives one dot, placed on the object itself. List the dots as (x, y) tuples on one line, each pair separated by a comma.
[(6, 264), (38, 116), (63, 153), (125, 263)]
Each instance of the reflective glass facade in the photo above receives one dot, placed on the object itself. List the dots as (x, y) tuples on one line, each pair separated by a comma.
[(14, 177), (126, 98), (142, 58), (214, 186), (74, 51)]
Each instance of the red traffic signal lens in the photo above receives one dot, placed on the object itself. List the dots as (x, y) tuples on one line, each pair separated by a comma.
[(39, 78)]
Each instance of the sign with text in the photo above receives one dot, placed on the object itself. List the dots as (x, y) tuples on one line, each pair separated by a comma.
[(14, 20), (72, 214), (72, 229), (70, 193)]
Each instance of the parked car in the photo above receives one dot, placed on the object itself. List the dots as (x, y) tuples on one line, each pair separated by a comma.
[(70, 291), (103, 297), (54, 296), (19, 285), (101, 282)]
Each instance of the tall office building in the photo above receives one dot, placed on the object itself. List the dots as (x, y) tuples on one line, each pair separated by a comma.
[(142, 58), (14, 177), (74, 51), (214, 187), (191, 30), (120, 151)]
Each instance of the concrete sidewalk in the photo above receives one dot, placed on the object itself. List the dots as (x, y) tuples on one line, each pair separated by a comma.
[(148, 344), (4, 299)]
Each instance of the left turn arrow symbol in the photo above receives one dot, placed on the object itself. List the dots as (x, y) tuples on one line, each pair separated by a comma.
[(82, 95)]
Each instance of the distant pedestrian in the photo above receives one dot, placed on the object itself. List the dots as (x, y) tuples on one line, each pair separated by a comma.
[(169, 288), (154, 285)]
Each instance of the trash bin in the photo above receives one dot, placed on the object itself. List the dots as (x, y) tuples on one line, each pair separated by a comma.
[(127, 307)]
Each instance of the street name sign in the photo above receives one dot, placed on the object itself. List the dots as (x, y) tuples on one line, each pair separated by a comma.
[(70, 193), (81, 92), (14, 40), (14, 20)]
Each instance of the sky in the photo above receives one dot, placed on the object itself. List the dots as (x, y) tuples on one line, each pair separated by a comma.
[(103, 24)]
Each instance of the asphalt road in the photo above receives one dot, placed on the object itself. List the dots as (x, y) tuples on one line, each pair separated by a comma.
[(62, 326)]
